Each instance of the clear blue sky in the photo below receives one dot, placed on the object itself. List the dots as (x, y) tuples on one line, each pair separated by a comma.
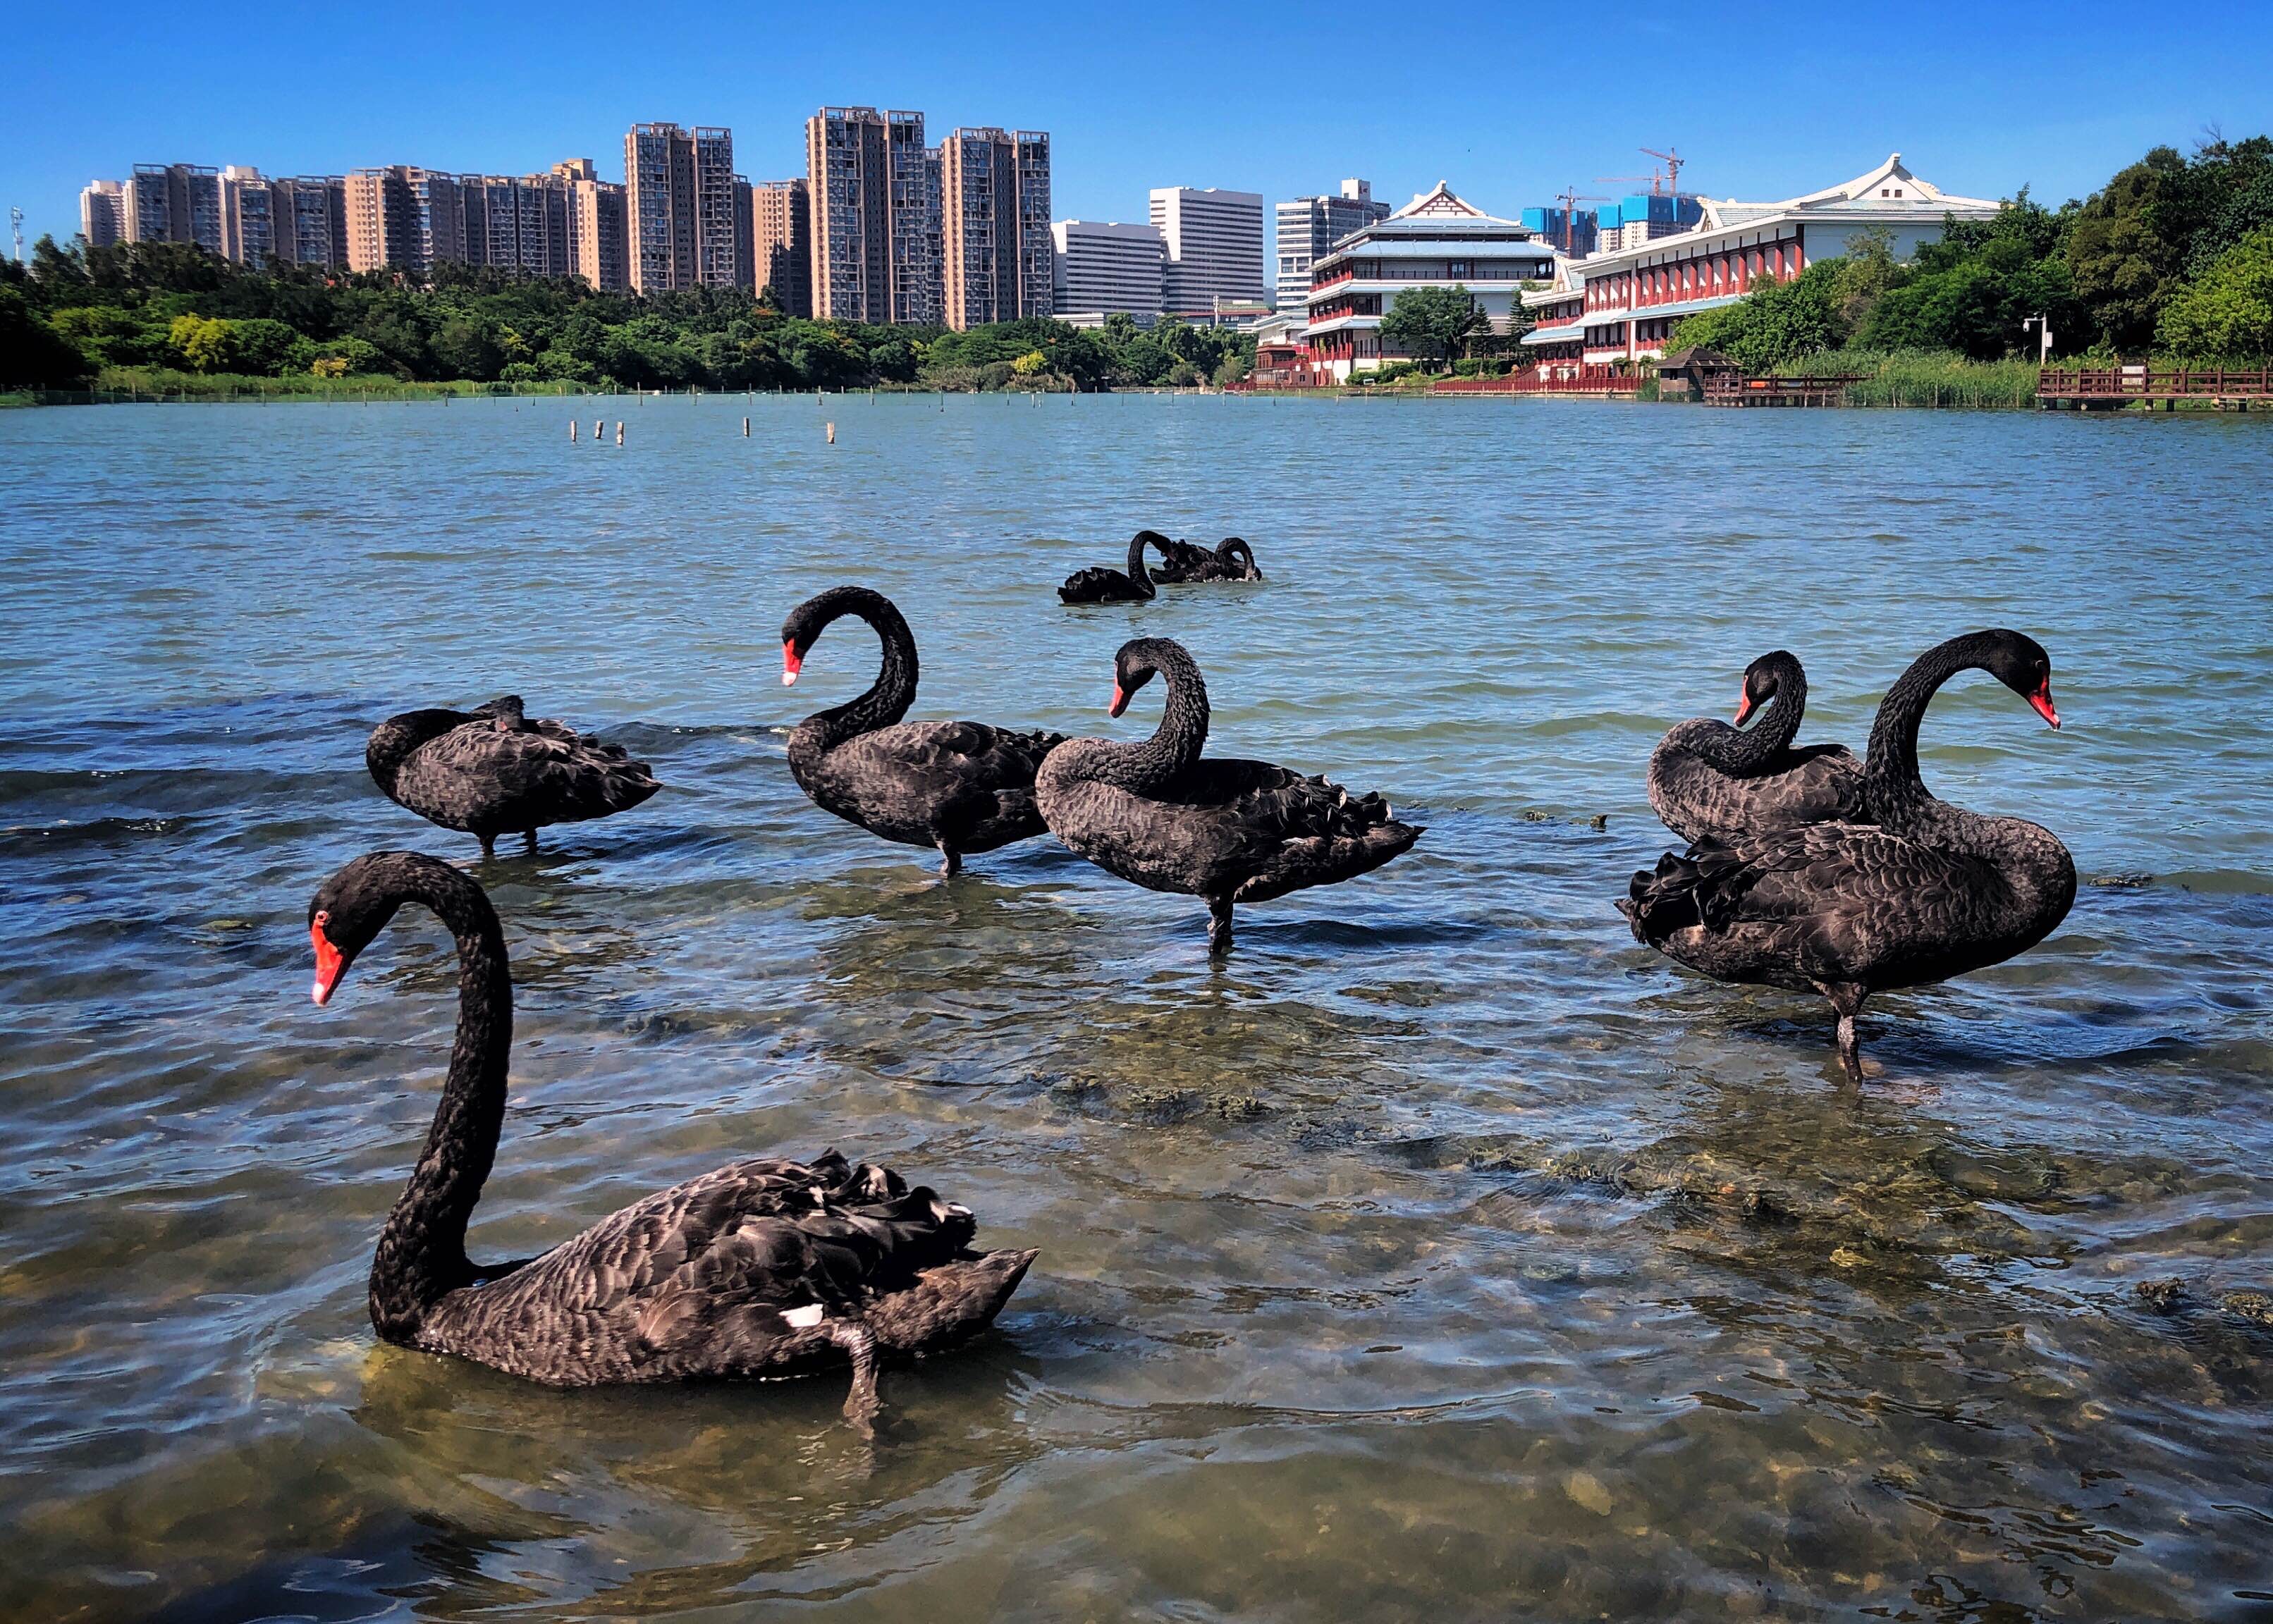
[(1765, 100)]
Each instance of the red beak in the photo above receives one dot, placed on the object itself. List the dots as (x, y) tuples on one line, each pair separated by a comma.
[(329, 963), (1119, 701), (1743, 706), (2041, 699), (791, 664)]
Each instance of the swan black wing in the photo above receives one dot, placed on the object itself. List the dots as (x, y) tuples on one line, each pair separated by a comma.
[(1100, 585), (1181, 562), (483, 776)]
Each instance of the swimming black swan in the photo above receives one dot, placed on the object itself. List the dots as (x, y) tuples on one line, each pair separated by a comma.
[(1709, 781), (761, 1269), (1229, 831), (1132, 585), (492, 771), (957, 787), (1932, 891), (1181, 562)]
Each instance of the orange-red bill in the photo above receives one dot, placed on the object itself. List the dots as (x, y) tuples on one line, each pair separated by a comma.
[(1119, 701), (2042, 699), (791, 664), (1743, 706), (329, 963)]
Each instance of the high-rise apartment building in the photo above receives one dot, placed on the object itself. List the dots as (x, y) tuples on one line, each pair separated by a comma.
[(746, 261), (780, 247), (102, 213), (1215, 247), (998, 262), (680, 196), (916, 297), (403, 218), (247, 223), (1105, 269), (175, 203), (309, 220), (598, 237), (1308, 228), (847, 174)]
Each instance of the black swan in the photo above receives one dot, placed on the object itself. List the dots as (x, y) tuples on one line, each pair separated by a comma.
[(956, 787), (491, 771), (1709, 781), (1182, 562), (1930, 892), (1132, 585), (765, 1268), (1157, 814)]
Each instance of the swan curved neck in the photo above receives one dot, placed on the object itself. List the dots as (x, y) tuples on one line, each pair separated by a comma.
[(1742, 752), (421, 1252), (1892, 785), (894, 691), (1137, 571), (393, 740), (1176, 744)]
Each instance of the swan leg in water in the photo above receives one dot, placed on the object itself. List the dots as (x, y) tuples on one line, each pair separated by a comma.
[(861, 1405), (1847, 1002), (489, 846), (1219, 925), (529, 849), (950, 861)]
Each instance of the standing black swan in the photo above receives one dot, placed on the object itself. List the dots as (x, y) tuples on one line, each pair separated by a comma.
[(1932, 891), (492, 771), (1232, 559), (955, 786), (761, 1269), (1157, 814), (1709, 781), (1100, 585)]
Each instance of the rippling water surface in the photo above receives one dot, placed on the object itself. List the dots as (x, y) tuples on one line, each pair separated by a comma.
[(1444, 1256)]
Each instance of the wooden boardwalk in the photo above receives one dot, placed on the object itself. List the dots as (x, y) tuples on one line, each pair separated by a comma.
[(1729, 389), (2099, 388)]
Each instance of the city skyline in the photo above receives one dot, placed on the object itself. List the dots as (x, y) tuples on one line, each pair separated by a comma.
[(1977, 96)]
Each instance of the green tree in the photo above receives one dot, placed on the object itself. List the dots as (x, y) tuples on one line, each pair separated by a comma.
[(2227, 316), (1438, 322), (33, 355)]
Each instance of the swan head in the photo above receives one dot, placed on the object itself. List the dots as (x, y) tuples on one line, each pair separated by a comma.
[(353, 906), (2021, 663), (810, 618), (1138, 661), (1762, 679)]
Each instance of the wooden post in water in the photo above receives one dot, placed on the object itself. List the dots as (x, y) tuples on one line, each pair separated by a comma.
[(619, 433), (599, 426), (571, 430), (832, 434), (746, 428)]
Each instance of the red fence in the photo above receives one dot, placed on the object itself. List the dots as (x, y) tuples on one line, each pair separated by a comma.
[(1547, 379)]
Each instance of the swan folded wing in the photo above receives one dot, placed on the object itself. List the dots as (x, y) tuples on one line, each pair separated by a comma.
[(1094, 583), (1181, 561), (1825, 903), (547, 766)]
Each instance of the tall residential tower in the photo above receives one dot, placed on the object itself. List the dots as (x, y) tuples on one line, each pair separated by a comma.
[(1215, 247), (1308, 228)]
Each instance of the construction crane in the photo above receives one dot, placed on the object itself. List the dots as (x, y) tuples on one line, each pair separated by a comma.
[(1672, 160), (1654, 177), (1570, 197)]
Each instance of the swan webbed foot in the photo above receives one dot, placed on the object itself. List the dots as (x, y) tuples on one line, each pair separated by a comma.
[(950, 861), (861, 1405), (1219, 926)]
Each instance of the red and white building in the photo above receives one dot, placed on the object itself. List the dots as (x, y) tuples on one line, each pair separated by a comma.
[(1622, 305), (1435, 241)]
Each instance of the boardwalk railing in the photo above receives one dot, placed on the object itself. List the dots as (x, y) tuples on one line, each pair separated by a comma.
[(1729, 389), (2146, 383)]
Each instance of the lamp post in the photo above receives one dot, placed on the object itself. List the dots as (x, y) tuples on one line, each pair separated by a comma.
[(2043, 327)]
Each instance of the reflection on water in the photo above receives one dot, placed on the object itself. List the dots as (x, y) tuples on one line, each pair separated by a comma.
[(1441, 1255)]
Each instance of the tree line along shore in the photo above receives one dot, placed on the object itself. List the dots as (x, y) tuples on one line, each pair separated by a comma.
[(2173, 259)]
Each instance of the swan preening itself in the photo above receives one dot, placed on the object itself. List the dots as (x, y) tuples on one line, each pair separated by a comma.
[(1707, 780), (1848, 909), (493, 771), (767, 1267), (1161, 816), (956, 787), (1181, 563), (1129, 585)]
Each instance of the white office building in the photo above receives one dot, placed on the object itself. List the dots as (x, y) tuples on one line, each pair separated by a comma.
[(102, 213), (1104, 268), (1308, 228), (1214, 242)]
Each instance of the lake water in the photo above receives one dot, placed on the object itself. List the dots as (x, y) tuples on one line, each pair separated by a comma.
[(1444, 1256)]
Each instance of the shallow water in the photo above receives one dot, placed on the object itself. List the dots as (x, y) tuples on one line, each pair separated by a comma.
[(1444, 1256)]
